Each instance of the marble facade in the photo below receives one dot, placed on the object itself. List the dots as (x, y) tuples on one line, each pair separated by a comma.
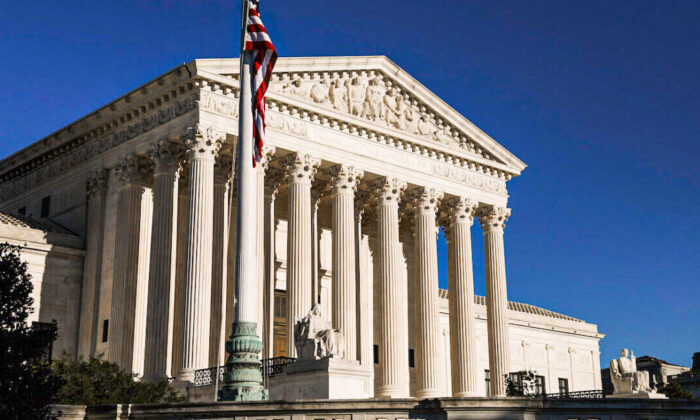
[(362, 166)]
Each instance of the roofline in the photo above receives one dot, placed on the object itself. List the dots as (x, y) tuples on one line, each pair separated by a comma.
[(380, 62)]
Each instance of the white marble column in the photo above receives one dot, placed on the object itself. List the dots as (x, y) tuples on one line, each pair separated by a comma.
[(344, 313), (133, 173), (139, 343), (273, 177), (460, 281), (428, 357), (202, 147), (222, 184), (92, 268), (263, 302), (393, 316), (167, 157), (493, 220), (177, 309), (300, 172)]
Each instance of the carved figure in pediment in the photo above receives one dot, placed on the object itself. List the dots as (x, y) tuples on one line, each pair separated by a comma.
[(295, 87), (319, 92), (425, 127), (374, 107), (443, 135), (411, 118), (357, 96), (338, 94)]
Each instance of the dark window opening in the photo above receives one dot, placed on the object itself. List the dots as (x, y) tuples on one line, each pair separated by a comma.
[(48, 351), (411, 358), (22, 210), (375, 350), (563, 386), (45, 206), (487, 379), (540, 388), (105, 330)]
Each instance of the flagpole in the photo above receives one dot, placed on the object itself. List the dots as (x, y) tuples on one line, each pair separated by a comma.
[(243, 380)]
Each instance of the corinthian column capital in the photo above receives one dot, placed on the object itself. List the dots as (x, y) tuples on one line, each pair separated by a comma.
[(203, 142), (493, 218), (301, 168), (266, 155), (425, 200), (97, 183), (167, 157), (344, 178), (134, 169), (388, 190), (459, 210)]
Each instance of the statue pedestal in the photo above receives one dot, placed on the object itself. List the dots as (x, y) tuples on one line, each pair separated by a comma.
[(326, 378), (639, 395)]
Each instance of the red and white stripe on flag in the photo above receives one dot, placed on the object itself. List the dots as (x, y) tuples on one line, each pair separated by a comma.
[(264, 56)]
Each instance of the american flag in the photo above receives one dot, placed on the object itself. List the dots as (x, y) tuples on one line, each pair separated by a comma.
[(264, 56)]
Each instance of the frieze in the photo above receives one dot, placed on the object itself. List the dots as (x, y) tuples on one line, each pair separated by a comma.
[(301, 128)]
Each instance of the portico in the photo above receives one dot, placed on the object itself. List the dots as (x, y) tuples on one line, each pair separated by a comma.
[(362, 167)]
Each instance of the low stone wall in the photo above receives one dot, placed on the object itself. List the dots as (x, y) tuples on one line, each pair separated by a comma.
[(400, 409)]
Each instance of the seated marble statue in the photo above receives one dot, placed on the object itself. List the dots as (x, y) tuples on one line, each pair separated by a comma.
[(314, 338), (625, 377)]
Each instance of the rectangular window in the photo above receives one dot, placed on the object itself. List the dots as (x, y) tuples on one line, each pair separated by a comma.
[(105, 330), (539, 385), (487, 379), (280, 306), (411, 358), (45, 206), (22, 210), (563, 386), (375, 350), (49, 349)]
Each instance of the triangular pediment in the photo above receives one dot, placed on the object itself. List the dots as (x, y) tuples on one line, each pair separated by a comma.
[(375, 91)]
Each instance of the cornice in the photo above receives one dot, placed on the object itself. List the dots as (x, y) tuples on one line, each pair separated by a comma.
[(193, 86)]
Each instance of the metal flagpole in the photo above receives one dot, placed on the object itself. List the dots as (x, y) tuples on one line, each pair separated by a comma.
[(243, 380)]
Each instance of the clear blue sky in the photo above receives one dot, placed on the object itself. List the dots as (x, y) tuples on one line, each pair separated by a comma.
[(600, 98)]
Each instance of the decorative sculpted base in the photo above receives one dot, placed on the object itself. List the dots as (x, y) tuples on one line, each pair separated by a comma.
[(243, 380)]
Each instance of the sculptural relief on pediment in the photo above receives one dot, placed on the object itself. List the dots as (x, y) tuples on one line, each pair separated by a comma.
[(372, 96)]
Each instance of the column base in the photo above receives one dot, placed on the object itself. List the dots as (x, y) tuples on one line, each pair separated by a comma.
[(243, 380)]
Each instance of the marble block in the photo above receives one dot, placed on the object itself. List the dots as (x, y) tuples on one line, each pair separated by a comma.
[(327, 378), (649, 395)]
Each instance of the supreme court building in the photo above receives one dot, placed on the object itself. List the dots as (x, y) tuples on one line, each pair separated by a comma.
[(127, 218)]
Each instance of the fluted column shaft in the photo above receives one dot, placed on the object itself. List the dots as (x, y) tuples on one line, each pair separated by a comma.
[(177, 308), (429, 359), (460, 281), (301, 169), (273, 176), (132, 173), (92, 268), (393, 316), (492, 221), (222, 182), (203, 145), (344, 305), (161, 288)]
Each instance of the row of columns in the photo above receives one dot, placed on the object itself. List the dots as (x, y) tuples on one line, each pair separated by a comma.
[(204, 302)]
